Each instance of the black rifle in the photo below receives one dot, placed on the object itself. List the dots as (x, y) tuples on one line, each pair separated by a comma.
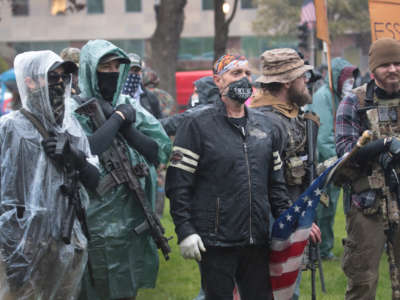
[(312, 125), (117, 164), (390, 216), (71, 190), (314, 257), (314, 263)]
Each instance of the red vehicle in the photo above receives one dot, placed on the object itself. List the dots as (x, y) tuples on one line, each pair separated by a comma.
[(184, 85)]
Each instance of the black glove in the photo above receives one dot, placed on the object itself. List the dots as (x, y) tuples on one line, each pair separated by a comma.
[(58, 148), (385, 160), (74, 157), (371, 150), (391, 177), (49, 146), (129, 113), (394, 146)]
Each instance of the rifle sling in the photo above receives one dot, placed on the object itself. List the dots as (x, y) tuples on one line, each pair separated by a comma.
[(35, 122), (45, 134)]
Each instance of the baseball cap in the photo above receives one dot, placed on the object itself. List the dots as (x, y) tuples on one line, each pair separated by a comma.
[(68, 66), (136, 60), (114, 56)]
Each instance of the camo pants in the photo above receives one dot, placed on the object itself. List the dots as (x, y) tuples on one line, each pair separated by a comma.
[(363, 248)]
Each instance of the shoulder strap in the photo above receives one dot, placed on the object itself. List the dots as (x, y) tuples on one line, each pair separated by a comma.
[(310, 115), (360, 92), (365, 95), (35, 122)]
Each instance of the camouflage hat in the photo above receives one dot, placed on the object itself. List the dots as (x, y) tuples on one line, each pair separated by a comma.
[(150, 78), (71, 54), (281, 65), (136, 60)]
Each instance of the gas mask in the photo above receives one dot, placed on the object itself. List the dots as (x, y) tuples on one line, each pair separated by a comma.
[(240, 90), (57, 93), (108, 82)]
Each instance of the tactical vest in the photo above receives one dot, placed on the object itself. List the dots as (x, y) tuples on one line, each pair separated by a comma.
[(295, 155), (382, 117)]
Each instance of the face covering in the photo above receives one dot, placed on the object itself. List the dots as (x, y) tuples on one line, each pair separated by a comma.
[(131, 84), (108, 82), (240, 90), (56, 95), (347, 87)]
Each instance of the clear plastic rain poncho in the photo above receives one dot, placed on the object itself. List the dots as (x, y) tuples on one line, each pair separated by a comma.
[(35, 263)]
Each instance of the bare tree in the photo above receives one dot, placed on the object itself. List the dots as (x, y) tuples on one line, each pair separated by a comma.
[(164, 42), (221, 26)]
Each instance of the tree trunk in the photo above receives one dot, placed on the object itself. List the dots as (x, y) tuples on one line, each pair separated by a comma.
[(164, 43), (221, 27)]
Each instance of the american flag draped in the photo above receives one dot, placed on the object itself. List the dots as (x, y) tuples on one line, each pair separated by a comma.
[(308, 13), (290, 234)]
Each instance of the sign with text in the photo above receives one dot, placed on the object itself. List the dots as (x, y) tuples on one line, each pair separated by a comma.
[(322, 20), (385, 19)]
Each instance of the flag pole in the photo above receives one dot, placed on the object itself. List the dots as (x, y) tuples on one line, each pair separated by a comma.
[(313, 47), (329, 61), (323, 34)]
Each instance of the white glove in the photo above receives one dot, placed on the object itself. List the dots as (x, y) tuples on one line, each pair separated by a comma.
[(191, 246)]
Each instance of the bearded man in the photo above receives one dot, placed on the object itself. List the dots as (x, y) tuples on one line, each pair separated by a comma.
[(371, 193), (283, 91)]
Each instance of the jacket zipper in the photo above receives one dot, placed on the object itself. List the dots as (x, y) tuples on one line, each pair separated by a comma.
[(217, 217), (249, 179)]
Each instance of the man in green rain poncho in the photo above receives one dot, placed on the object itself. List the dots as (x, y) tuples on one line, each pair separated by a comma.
[(122, 261)]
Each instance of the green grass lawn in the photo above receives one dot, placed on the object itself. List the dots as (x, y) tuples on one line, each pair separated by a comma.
[(179, 279)]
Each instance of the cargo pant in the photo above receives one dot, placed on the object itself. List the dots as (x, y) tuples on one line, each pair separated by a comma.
[(363, 248)]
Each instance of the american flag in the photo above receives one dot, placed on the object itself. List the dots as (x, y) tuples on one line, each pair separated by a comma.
[(308, 13), (290, 234)]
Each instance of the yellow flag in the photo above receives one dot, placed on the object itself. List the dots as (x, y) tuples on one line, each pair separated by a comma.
[(323, 34), (384, 16), (58, 6), (322, 21)]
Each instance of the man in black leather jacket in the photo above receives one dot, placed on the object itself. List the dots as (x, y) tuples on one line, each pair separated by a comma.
[(224, 178)]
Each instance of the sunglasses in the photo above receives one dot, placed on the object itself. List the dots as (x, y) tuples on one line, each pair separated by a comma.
[(54, 77)]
